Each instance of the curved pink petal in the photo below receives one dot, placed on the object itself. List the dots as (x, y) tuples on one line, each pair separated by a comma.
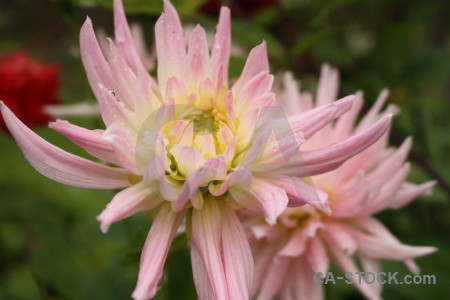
[(97, 69), (302, 193), (123, 146), (313, 162), (59, 165), (90, 140), (262, 196), (155, 251), (405, 195), (137, 198)]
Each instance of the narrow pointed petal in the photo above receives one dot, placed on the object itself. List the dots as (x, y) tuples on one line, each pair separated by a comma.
[(124, 39), (237, 257), (59, 165), (137, 198), (256, 63), (347, 264), (155, 251), (406, 195), (97, 69), (206, 235), (388, 249), (170, 46), (220, 54), (90, 140), (387, 168), (314, 162), (328, 85), (373, 114)]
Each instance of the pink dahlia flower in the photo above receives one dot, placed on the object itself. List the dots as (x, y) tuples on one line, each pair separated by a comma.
[(189, 147), (305, 240)]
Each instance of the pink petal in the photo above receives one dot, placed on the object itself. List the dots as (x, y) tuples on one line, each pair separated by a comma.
[(237, 257), (406, 195), (123, 76), (206, 237), (290, 97), (170, 46), (125, 41), (300, 285), (202, 283), (323, 116), (347, 264), (188, 159), (262, 196), (137, 198), (256, 63), (344, 125), (296, 244), (124, 147), (339, 236), (220, 54), (197, 65), (302, 193), (377, 248), (389, 166), (59, 165), (317, 256), (155, 251), (328, 85), (97, 69), (90, 140), (387, 191), (373, 113), (274, 278), (240, 177), (313, 162)]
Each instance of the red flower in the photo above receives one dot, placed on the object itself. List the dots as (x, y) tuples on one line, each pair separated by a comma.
[(26, 86)]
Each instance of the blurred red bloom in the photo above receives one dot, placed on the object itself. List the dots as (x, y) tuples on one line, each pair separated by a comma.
[(26, 86), (245, 7)]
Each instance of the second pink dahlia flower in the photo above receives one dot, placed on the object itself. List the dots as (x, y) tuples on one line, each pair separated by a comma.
[(191, 148), (290, 255)]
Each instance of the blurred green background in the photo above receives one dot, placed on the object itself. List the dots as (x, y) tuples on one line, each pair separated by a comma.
[(50, 244)]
